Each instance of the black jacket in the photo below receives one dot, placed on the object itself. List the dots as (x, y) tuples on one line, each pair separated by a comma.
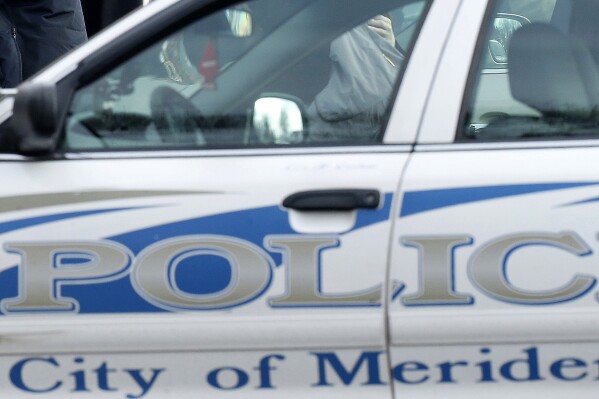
[(101, 13), (33, 33)]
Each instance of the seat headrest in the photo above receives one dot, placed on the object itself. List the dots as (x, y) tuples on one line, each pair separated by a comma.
[(552, 73)]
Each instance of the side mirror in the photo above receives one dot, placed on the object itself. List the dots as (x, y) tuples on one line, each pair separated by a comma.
[(279, 120), (504, 27), (35, 118)]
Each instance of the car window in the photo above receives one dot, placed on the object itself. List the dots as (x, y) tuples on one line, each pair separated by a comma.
[(538, 73), (260, 73)]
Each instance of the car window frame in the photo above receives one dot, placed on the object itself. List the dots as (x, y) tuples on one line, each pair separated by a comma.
[(473, 76), (476, 71), (105, 60)]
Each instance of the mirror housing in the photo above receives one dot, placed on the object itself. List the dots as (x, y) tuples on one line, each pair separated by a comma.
[(35, 118), (279, 119)]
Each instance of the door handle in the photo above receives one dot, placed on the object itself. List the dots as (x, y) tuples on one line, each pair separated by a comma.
[(333, 200)]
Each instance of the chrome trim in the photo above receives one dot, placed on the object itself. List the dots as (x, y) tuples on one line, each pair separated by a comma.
[(211, 153), (495, 71), (511, 145)]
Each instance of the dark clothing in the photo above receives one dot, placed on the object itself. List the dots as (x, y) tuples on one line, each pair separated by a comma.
[(34, 33), (99, 14), (10, 65)]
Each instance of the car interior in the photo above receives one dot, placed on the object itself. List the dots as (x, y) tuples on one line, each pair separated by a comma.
[(143, 103), (551, 75)]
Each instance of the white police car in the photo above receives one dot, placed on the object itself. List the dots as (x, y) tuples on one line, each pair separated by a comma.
[(275, 198)]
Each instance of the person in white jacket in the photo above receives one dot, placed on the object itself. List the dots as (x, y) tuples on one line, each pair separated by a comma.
[(365, 66)]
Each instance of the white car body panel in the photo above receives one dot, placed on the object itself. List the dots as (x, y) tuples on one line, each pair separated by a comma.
[(142, 337), (419, 75), (532, 193), (475, 276), (440, 118)]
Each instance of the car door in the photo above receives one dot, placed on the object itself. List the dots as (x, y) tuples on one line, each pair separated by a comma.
[(496, 237), (194, 222)]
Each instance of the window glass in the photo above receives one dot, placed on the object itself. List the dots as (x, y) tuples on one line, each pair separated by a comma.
[(260, 73), (538, 75)]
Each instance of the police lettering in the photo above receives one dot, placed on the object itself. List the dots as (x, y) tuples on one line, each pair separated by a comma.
[(46, 268), (522, 366), (47, 374)]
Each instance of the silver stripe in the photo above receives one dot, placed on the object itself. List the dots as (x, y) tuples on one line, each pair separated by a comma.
[(383, 149), (512, 145), (498, 71), (133, 333), (495, 327), (241, 152), (32, 201)]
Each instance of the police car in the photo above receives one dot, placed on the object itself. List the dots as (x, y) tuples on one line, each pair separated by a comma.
[(277, 198)]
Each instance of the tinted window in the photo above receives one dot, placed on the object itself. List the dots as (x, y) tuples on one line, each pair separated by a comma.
[(261, 73), (538, 75)]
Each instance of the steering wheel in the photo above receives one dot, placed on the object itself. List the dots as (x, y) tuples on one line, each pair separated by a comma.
[(175, 117)]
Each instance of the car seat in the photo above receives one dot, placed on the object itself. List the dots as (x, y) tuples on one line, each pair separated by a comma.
[(554, 74)]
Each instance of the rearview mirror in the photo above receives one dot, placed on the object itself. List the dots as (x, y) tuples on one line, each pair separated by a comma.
[(240, 22), (278, 120)]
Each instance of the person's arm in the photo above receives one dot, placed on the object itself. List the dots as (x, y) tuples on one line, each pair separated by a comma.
[(384, 27)]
